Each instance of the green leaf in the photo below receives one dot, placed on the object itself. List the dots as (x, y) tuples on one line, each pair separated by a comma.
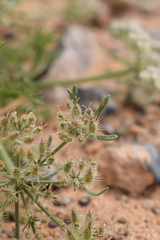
[(102, 137), (95, 194), (72, 96), (1, 44), (102, 106), (75, 90)]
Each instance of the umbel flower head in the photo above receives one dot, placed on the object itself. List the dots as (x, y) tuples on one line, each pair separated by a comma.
[(83, 226), (79, 123), (23, 169)]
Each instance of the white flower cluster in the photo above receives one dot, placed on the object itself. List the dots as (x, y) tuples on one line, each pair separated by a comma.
[(151, 74), (145, 49)]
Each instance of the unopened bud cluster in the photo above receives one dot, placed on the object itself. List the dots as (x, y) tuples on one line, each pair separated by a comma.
[(143, 47), (77, 123), (79, 173), (82, 226)]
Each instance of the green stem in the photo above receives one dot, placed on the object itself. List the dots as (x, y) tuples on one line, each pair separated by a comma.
[(44, 209), (43, 84), (54, 151), (24, 200), (43, 181), (6, 159), (17, 164), (51, 175), (17, 218)]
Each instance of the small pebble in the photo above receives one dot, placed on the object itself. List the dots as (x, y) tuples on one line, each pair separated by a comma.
[(64, 202), (11, 216), (122, 220), (11, 234), (84, 201), (52, 224), (155, 210)]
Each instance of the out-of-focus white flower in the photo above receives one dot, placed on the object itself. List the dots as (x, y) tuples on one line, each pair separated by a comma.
[(151, 74)]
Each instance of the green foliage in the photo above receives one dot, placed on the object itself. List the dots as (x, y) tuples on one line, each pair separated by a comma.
[(24, 170), (21, 64), (79, 11)]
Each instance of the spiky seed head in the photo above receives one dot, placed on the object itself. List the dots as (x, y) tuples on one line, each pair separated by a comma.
[(30, 156), (42, 147), (28, 234), (23, 218), (76, 111), (93, 125), (74, 216), (39, 236), (81, 164)]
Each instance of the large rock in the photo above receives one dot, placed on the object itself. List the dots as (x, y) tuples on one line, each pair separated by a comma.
[(131, 167), (79, 51)]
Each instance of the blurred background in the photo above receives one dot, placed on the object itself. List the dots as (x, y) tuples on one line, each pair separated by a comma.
[(105, 47)]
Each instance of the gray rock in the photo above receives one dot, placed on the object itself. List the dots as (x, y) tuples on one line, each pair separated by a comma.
[(108, 129), (52, 224), (154, 164), (155, 34), (78, 50), (64, 202), (155, 210), (127, 167), (95, 95), (84, 201)]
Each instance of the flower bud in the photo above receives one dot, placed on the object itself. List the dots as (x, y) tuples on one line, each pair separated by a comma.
[(31, 118), (69, 104)]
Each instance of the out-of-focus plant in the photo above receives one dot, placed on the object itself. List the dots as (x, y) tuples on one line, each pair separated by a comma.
[(21, 64), (23, 172), (144, 54), (79, 11), (7, 15)]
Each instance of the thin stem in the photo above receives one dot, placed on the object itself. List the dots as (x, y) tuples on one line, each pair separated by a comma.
[(44, 209), (24, 200), (6, 159), (44, 181), (54, 151), (17, 218), (51, 175), (17, 164), (43, 84)]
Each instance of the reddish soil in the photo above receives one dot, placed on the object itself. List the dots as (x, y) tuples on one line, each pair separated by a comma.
[(126, 217)]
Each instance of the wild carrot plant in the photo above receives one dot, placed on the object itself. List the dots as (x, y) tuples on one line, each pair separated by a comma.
[(24, 163)]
